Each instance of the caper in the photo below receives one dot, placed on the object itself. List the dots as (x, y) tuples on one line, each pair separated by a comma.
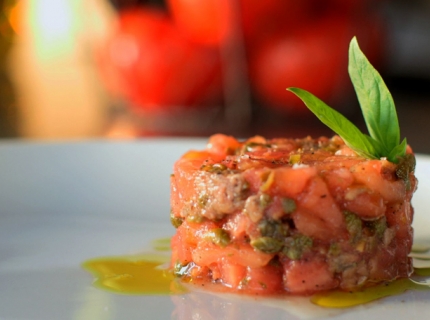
[(218, 236), (267, 244), (195, 218), (175, 221)]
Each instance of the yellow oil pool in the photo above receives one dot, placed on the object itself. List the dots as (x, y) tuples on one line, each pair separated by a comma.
[(148, 274)]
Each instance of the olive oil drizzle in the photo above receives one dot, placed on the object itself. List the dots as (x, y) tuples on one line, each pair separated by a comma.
[(144, 274), (342, 299), (419, 281), (149, 274)]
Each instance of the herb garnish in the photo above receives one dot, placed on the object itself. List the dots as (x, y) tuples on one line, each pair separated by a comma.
[(378, 110)]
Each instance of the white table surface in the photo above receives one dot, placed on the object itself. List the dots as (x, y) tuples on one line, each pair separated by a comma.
[(63, 203)]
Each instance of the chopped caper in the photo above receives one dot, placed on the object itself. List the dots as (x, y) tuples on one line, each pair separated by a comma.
[(295, 246), (334, 249), (265, 200), (195, 218), (175, 221), (218, 236), (272, 228), (405, 167), (353, 225), (267, 244), (378, 226), (288, 205)]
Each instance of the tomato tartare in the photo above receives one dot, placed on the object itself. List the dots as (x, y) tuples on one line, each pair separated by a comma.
[(293, 216)]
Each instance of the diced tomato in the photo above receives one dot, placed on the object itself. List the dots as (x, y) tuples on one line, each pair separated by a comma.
[(232, 273), (267, 279), (181, 250), (308, 276), (338, 180), (370, 173), (237, 226), (317, 214), (243, 254), (222, 145), (365, 203), (291, 182), (193, 233)]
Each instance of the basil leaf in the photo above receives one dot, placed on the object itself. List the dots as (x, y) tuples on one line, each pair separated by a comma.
[(375, 100), (378, 110), (398, 152), (360, 143)]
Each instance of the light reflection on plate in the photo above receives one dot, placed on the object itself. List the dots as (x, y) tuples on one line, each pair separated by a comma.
[(62, 204)]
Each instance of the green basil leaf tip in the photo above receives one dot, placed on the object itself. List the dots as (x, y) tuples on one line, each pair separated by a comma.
[(377, 106)]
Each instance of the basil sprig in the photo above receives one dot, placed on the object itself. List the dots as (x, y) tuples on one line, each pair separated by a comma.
[(378, 110)]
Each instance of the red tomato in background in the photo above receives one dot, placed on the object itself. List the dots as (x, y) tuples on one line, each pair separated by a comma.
[(263, 18), (204, 21), (313, 58), (211, 21), (149, 62)]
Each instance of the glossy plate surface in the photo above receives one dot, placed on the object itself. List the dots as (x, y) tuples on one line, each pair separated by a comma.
[(64, 203)]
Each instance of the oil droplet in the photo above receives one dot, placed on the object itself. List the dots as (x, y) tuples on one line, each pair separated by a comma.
[(342, 299), (143, 274)]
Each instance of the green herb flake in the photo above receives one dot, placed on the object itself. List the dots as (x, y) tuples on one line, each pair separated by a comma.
[(295, 247), (378, 109), (334, 249), (294, 158), (353, 225), (288, 205)]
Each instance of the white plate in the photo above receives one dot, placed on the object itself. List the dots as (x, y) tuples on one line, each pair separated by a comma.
[(61, 204)]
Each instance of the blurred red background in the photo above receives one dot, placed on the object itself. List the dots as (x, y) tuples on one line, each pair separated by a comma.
[(76, 69), (231, 61)]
